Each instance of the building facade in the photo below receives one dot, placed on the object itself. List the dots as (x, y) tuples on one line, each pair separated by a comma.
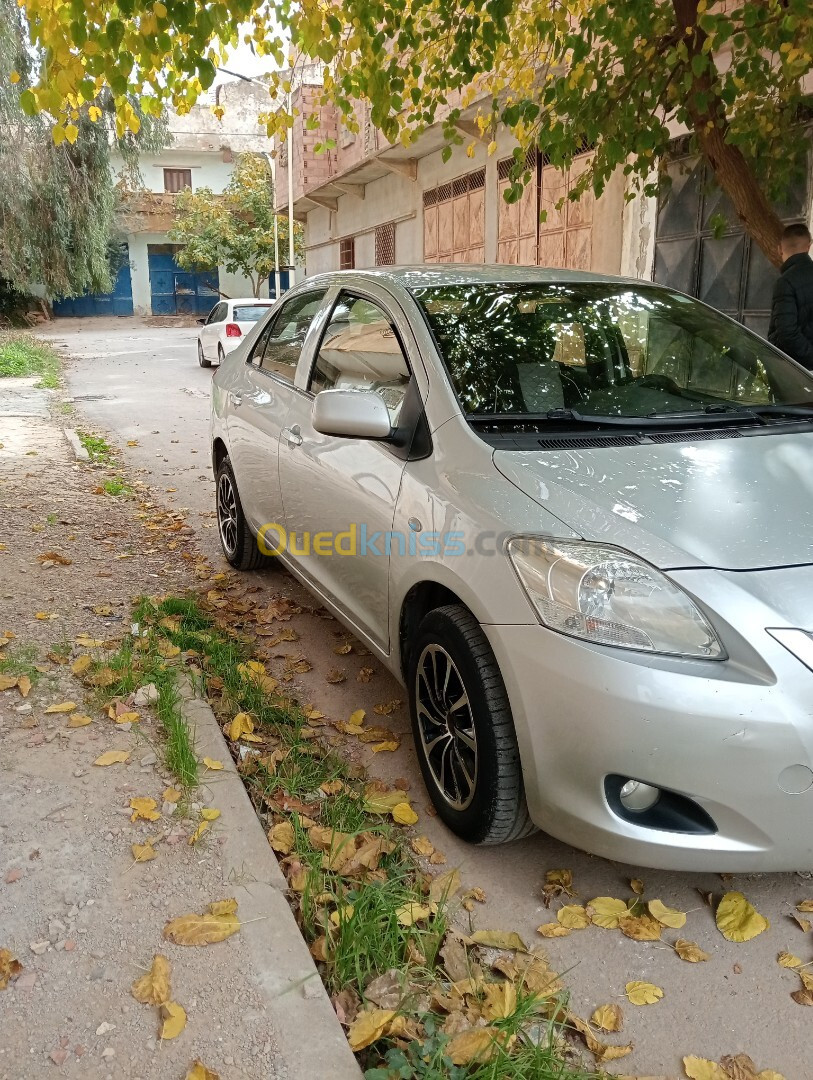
[(367, 202), (201, 153)]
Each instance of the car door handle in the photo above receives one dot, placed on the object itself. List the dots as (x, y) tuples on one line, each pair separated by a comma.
[(236, 399), (292, 435)]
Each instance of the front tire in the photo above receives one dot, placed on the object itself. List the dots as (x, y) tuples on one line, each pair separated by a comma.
[(236, 538), (464, 731), (201, 358)]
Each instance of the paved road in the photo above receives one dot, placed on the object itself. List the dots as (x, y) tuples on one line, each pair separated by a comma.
[(144, 383)]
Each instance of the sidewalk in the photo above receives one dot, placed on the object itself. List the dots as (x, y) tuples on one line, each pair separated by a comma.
[(81, 916)]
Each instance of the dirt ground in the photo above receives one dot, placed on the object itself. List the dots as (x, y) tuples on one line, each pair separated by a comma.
[(81, 916)]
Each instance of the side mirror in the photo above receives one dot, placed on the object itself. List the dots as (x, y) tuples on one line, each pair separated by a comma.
[(351, 414), (201, 321)]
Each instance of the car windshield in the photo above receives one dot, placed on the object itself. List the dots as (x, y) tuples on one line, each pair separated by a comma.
[(615, 350), (250, 312)]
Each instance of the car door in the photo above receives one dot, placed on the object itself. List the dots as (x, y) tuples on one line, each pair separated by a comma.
[(259, 402), (209, 331), (339, 494)]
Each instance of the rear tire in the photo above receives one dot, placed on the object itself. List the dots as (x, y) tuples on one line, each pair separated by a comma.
[(221, 356), (236, 538), (464, 731), (201, 358)]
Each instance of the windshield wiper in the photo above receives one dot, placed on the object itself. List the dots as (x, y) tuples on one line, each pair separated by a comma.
[(726, 411), (573, 416)]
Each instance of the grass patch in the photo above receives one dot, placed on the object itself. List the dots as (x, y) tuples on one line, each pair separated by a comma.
[(20, 660), (23, 356), (364, 905), (99, 450), (116, 486)]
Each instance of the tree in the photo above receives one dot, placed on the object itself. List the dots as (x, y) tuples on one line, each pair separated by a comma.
[(57, 196), (235, 229), (620, 76)]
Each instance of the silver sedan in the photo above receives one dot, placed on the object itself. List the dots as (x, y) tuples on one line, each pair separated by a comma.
[(574, 515)]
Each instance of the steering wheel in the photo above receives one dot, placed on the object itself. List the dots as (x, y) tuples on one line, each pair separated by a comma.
[(654, 381)]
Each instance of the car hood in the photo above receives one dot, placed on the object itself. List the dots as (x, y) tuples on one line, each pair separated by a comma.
[(731, 503)]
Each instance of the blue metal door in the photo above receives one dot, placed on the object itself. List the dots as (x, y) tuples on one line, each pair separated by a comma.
[(117, 302), (174, 291)]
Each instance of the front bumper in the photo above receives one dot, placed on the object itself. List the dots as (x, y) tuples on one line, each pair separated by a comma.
[(729, 735)]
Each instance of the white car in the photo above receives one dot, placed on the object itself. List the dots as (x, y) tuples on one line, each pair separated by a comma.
[(574, 515), (226, 325)]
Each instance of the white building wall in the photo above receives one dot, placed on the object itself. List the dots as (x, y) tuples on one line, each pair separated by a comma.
[(207, 169)]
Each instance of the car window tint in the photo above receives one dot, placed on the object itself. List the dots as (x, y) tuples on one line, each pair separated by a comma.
[(214, 314), (259, 345), (250, 312), (361, 351), (287, 332)]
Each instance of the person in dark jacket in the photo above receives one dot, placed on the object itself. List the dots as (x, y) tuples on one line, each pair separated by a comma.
[(791, 326)]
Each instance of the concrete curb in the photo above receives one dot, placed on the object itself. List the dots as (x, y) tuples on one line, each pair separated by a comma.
[(79, 452), (304, 1026)]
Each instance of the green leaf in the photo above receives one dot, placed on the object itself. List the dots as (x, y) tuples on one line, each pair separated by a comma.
[(28, 103), (115, 32)]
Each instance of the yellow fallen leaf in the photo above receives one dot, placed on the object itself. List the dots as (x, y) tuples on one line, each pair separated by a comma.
[(281, 837), (475, 1044), (112, 757), (202, 929), (641, 928), (84, 641), (607, 912), (144, 808), (332, 787), (312, 713), (642, 993), (444, 886), (10, 967), (210, 813), (198, 833), (573, 916), (499, 939), (210, 763), (805, 905), (404, 814), (612, 1053), (608, 1017), (64, 706), (198, 1070), (153, 988), (770, 1074), (382, 802), (173, 1018), (689, 951), (144, 852), (343, 650), (368, 1027), (223, 907), (134, 442), (666, 916), (78, 720), (737, 920), (357, 717), (422, 845), (553, 929), (702, 1069), (388, 744), (637, 886), (171, 794), (81, 664), (788, 960), (24, 685), (7, 682), (128, 718), (409, 914), (242, 724), (166, 649), (342, 914), (499, 1000)]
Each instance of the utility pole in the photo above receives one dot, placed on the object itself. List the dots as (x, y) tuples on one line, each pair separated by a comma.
[(291, 253)]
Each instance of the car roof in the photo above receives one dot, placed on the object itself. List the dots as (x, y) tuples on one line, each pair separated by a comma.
[(413, 277), (252, 301)]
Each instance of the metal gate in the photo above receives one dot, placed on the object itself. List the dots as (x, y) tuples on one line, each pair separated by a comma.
[(117, 302), (174, 291), (724, 267)]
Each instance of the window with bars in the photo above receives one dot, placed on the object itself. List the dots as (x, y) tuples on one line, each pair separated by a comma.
[(347, 253), (385, 244), (177, 179), (454, 220)]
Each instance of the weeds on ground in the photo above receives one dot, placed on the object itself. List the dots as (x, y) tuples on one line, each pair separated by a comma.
[(20, 660), (99, 450), (418, 996), (116, 486), (23, 356)]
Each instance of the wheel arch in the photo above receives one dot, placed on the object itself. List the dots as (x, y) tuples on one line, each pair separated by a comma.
[(421, 598), (219, 452)]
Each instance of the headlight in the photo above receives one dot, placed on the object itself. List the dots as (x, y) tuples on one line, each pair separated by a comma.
[(606, 595)]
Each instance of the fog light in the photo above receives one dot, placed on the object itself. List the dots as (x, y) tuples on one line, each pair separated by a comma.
[(637, 796)]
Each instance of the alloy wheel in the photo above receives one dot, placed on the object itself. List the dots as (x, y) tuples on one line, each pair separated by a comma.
[(446, 726), (227, 513)]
